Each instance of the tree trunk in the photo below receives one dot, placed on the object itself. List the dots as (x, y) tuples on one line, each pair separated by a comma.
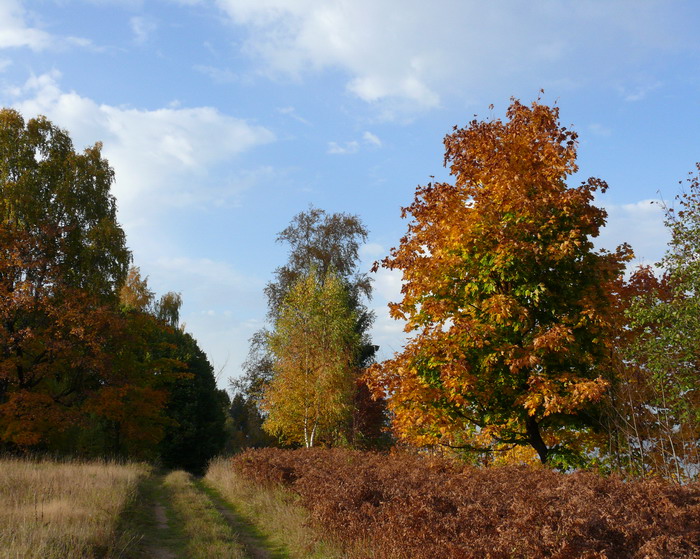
[(535, 439)]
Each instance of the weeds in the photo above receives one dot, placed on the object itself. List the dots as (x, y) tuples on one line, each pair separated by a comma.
[(407, 506), (64, 510)]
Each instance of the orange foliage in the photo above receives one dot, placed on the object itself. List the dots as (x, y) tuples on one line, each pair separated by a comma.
[(69, 360), (401, 506), (510, 305)]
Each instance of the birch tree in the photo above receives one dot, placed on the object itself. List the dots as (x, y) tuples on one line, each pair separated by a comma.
[(315, 344)]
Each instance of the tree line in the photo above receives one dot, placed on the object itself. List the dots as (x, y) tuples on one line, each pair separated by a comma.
[(527, 344), (91, 363)]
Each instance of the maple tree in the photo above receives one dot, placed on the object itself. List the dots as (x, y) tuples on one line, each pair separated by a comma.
[(314, 344), (507, 299)]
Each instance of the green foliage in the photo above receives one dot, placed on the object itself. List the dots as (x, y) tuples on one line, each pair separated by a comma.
[(196, 408), (509, 303), (245, 426), (88, 360), (324, 243), (315, 347), (657, 406), (46, 186)]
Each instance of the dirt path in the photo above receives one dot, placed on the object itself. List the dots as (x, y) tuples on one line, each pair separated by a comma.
[(256, 545), (158, 539), (161, 538), (157, 549)]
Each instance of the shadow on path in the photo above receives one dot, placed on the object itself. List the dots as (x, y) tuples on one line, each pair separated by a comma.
[(257, 545)]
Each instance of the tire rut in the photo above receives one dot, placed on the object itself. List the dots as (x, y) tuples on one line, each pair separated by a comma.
[(158, 550), (255, 544)]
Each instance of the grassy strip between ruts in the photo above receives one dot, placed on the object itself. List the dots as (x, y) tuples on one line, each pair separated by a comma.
[(283, 523), (207, 532), (255, 542)]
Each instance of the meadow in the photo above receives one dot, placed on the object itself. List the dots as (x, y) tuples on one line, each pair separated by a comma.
[(338, 504), (65, 510)]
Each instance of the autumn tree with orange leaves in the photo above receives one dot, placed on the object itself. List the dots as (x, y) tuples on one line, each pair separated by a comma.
[(90, 364), (507, 299)]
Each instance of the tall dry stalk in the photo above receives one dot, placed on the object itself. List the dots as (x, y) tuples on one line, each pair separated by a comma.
[(64, 510)]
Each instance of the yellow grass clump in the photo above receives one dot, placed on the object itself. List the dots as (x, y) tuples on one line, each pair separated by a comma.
[(64, 510), (274, 511)]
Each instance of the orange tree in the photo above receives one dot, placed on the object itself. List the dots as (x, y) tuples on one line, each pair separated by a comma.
[(508, 302), (76, 376)]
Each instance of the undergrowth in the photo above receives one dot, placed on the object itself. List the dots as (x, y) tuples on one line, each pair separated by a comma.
[(408, 506)]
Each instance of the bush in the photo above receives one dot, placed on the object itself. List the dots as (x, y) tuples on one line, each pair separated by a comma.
[(407, 506)]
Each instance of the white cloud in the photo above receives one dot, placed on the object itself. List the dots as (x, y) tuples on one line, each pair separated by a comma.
[(641, 222), (218, 75), (416, 53), (372, 251), (387, 332), (639, 92), (142, 28), (15, 31), (158, 155), (292, 113), (387, 284), (347, 148), (372, 139), (599, 129), (219, 304), (353, 146)]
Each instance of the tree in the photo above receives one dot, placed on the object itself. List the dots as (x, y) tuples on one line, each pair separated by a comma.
[(322, 242), (72, 376), (48, 337), (134, 294), (90, 363), (508, 300), (656, 406), (325, 242), (196, 408), (48, 188), (244, 425), (314, 344)]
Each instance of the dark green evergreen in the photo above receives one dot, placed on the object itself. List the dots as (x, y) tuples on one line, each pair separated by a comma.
[(196, 409)]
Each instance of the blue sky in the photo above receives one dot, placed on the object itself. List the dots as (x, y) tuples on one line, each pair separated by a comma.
[(223, 119)]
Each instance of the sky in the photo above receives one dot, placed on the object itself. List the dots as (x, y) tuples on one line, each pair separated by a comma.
[(223, 119)]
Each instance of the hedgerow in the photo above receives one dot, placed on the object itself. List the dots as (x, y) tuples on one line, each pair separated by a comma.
[(408, 506)]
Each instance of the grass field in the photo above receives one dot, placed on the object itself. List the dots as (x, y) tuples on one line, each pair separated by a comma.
[(337, 504), (104, 510), (64, 510)]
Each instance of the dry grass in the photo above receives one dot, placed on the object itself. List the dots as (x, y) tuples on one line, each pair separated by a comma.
[(65, 510), (207, 532), (274, 512), (405, 506)]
